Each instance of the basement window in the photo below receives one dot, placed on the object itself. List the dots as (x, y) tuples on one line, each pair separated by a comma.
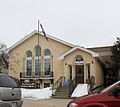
[(46, 85)]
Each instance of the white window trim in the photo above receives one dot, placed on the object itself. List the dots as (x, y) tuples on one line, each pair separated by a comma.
[(29, 58), (79, 62), (37, 57), (47, 57)]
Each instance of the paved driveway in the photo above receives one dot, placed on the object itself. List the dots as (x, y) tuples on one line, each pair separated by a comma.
[(46, 103)]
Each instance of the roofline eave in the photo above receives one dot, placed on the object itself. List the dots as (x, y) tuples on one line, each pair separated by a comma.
[(34, 32), (94, 54)]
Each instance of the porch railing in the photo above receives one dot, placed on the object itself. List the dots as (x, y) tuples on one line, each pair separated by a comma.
[(36, 75), (72, 86), (57, 84)]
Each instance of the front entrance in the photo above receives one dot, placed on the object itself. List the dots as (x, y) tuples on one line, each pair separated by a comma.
[(79, 73)]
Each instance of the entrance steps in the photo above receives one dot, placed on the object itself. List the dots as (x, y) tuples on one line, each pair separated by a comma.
[(62, 92)]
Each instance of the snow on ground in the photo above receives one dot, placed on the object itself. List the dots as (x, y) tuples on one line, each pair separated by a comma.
[(46, 93), (36, 94), (80, 90)]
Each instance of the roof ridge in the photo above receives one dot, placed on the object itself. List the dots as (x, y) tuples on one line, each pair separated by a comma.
[(34, 32)]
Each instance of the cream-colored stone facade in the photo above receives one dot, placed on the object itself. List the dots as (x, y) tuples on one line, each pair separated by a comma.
[(63, 61)]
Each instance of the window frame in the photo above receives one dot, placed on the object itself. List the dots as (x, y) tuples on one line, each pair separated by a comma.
[(47, 57), (28, 66)]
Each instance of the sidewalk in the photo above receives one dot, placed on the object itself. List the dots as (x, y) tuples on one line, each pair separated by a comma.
[(46, 103)]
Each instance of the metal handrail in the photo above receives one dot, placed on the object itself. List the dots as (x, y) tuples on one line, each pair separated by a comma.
[(72, 86), (57, 84)]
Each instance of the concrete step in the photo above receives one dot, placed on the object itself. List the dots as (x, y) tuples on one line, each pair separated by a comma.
[(61, 97), (64, 87), (62, 92)]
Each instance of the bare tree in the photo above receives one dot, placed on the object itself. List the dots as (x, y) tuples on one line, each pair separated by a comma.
[(13, 61), (3, 48), (116, 59), (116, 51), (10, 60)]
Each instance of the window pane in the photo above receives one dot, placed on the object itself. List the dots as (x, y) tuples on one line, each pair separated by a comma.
[(29, 54), (29, 67), (47, 66), (37, 85), (46, 85), (47, 52), (37, 67), (38, 51), (79, 58)]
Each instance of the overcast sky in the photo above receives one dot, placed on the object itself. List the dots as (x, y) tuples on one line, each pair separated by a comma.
[(88, 23)]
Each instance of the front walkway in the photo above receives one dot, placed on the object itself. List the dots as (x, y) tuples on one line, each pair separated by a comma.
[(46, 103)]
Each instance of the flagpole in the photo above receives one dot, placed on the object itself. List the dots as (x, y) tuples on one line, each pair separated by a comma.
[(38, 32), (38, 47)]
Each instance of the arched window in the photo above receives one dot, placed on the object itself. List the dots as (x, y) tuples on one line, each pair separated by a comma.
[(37, 60), (47, 62), (29, 63), (79, 58)]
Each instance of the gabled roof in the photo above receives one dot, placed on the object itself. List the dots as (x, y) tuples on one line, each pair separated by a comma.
[(36, 32), (94, 54)]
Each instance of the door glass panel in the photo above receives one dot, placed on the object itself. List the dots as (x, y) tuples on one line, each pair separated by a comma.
[(79, 73)]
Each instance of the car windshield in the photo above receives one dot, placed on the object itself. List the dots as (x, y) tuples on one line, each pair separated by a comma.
[(6, 81), (107, 88)]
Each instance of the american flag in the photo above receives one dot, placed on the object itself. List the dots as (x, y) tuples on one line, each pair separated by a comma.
[(43, 31)]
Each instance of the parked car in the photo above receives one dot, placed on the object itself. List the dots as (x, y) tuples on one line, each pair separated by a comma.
[(96, 89), (10, 93), (107, 97)]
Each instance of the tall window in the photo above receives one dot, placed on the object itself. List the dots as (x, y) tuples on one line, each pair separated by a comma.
[(29, 63), (37, 60), (47, 62)]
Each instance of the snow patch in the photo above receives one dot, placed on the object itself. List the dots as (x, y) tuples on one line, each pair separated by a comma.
[(46, 93), (36, 94), (80, 90)]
